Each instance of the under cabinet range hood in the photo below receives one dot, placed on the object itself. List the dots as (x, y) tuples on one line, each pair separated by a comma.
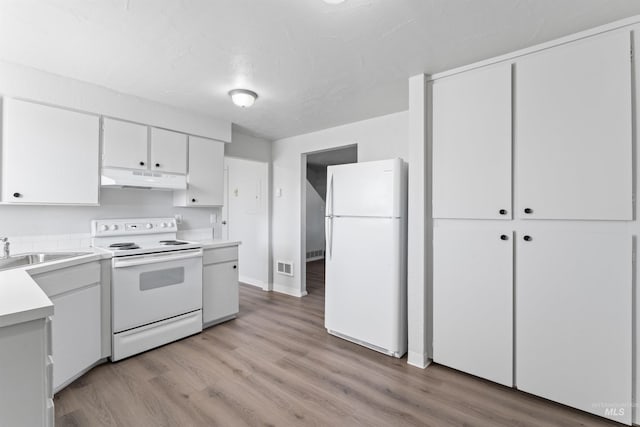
[(127, 178)]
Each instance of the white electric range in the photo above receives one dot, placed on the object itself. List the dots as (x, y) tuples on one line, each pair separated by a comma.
[(156, 282)]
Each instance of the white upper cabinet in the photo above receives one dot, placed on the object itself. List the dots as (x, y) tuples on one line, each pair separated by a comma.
[(574, 319), (473, 301), (168, 151), (206, 174), (472, 144), (573, 131), (49, 155), (124, 144)]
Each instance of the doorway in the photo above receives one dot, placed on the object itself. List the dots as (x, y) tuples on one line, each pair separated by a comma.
[(245, 217), (314, 192)]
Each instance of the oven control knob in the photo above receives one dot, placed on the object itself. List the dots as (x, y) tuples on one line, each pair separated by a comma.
[(164, 225), (149, 226), (114, 227), (104, 228)]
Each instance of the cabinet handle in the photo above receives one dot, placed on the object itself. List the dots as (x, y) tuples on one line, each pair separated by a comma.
[(528, 210), (502, 211), (235, 266), (16, 195), (157, 165), (527, 238), (141, 163), (193, 200), (504, 237)]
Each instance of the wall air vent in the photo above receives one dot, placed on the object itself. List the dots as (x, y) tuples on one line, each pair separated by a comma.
[(284, 267)]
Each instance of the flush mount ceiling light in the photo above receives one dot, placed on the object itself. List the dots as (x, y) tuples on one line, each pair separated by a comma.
[(243, 97)]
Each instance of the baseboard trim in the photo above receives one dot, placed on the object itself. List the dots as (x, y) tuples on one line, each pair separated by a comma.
[(282, 289), (419, 360), (254, 282)]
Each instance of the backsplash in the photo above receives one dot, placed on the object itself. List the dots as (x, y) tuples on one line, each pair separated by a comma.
[(69, 226)]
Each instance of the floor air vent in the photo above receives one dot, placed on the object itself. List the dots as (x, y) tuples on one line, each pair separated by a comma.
[(285, 267)]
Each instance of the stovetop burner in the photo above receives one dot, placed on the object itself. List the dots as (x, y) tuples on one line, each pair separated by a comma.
[(124, 246), (173, 242)]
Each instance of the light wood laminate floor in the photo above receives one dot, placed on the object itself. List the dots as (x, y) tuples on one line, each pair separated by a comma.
[(275, 365)]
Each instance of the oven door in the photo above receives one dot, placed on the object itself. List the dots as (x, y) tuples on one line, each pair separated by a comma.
[(153, 287)]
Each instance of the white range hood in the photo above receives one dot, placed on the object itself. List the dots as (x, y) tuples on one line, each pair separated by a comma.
[(127, 178)]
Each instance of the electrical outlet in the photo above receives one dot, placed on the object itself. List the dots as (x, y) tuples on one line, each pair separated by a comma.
[(178, 218)]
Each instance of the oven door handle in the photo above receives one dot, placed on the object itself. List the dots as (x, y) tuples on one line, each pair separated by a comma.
[(146, 259)]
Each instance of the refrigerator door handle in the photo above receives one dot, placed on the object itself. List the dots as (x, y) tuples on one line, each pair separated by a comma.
[(329, 234), (330, 197)]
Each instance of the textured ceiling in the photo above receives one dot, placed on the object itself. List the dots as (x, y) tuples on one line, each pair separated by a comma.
[(314, 65)]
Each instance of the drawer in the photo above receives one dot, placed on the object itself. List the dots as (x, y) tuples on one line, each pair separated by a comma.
[(214, 256), (67, 279)]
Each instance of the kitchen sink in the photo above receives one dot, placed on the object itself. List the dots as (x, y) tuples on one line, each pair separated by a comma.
[(22, 260)]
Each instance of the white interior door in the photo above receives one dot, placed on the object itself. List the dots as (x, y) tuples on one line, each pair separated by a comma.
[(473, 301), (574, 320), (573, 131), (472, 144), (248, 218), (364, 298), (365, 189)]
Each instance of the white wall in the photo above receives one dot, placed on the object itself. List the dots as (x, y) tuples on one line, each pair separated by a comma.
[(248, 147), (378, 138), (28, 83), (315, 220)]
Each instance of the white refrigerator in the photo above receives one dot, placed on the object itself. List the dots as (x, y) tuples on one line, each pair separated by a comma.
[(366, 279)]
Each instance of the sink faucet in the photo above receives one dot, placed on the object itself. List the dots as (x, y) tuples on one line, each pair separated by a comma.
[(5, 247)]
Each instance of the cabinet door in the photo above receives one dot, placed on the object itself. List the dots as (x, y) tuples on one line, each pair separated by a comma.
[(219, 291), (472, 144), (573, 131), (76, 333), (473, 301), (124, 144), (206, 172), (49, 155), (168, 151), (573, 319)]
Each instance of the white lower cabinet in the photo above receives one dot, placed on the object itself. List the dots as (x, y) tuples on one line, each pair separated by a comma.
[(23, 372), (76, 333), (76, 325), (220, 285), (473, 302), (574, 320)]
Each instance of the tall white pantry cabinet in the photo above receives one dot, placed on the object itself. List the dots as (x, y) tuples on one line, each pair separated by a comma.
[(534, 228)]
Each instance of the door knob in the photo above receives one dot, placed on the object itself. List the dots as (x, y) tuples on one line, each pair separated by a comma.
[(235, 266), (224, 222), (528, 210), (504, 237), (527, 238)]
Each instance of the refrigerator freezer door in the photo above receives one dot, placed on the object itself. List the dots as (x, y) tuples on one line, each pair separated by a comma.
[(365, 288), (372, 189)]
